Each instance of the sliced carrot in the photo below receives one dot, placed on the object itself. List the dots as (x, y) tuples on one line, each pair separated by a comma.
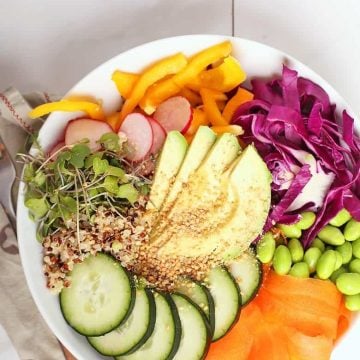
[(210, 99), (269, 343), (303, 347), (199, 119), (312, 324), (314, 288), (191, 96), (344, 321), (290, 319), (113, 120), (242, 96), (237, 344)]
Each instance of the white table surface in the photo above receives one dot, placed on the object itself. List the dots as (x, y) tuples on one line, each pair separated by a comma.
[(50, 45)]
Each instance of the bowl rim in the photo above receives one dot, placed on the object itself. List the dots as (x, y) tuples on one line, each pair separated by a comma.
[(216, 38)]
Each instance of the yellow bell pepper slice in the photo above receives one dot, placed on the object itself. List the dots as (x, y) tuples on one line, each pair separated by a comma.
[(193, 98), (158, 93), (209, 98), (225, 77), (198, 119), (242, 96), (167, 66), (232, 129), (125, 82), (201, 60), (170, 87), (93, 110)]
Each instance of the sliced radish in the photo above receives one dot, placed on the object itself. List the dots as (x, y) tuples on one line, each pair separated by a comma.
[(159, 136), (139, 133), (174, 114), (81, 129), (56, 148)]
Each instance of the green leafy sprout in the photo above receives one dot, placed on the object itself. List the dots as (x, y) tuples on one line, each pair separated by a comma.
[(73, 182)]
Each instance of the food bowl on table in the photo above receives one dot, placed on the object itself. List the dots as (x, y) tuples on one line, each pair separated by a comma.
[(258, 60)]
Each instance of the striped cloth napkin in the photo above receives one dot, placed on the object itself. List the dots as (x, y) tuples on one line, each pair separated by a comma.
[(23, 332)]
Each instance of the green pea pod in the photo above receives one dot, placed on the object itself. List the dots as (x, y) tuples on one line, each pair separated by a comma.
[(342, 217), (349, 283), (282, 260), (318, 244), (296, 250), (356, 248), (331, 235), (352, 302), (326, 264), (290, 231), (352, 230), (354, 266), (306, 221), (265, 248), (311, 257), (300, 270)]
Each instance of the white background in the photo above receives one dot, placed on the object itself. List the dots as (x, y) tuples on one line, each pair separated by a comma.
[(50, 45)]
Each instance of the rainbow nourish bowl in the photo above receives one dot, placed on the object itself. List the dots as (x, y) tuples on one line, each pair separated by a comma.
[(203, 207)]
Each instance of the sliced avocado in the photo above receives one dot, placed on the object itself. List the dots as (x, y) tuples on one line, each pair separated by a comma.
[(203, 191), (199, 148), (203, 140), (168, 165), (248, 183)]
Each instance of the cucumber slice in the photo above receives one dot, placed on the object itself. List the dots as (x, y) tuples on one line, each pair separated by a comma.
[(195, 340), (165, 339), (247, 272), (100, 297), (227, 298), (133, 333), (201, 296)]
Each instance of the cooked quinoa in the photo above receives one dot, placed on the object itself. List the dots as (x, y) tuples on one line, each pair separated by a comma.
[(126, 237)]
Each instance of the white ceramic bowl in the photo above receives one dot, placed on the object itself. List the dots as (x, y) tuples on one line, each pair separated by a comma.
[(258, 60)]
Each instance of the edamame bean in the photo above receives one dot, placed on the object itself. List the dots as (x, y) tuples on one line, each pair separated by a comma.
[(354, 266), (306, 221), (352, 302), (331, 235), (311, 257), (339, 261), (352, 230), (290, 231), (342, 217), (318, 244), (300, 270), (345, 251), (296, 250), (282, 260), (265, 248), (337, 273), (349, 283), (356, 248), (326, 264)]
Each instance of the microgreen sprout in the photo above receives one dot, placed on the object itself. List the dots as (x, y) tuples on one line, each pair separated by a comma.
[(66, 188)]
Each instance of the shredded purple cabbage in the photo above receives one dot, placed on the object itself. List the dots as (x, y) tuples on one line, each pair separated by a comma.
[(313, 156)]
